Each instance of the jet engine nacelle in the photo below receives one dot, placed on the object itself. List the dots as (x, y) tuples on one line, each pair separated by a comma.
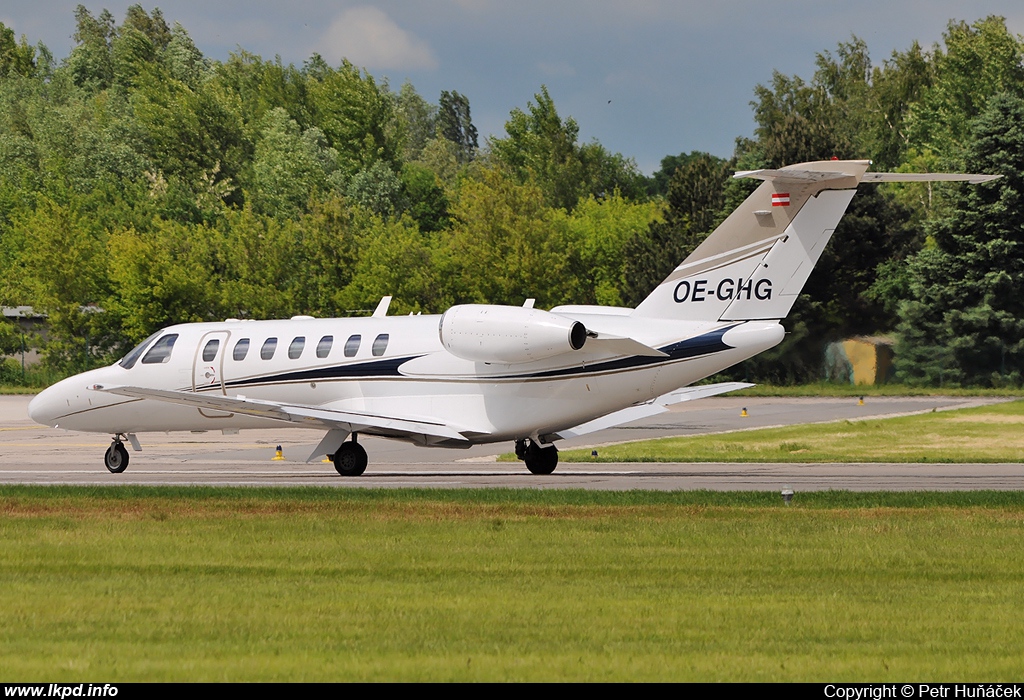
[(508, 334)]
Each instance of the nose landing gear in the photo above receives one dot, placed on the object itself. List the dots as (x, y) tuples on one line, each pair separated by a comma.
[(116, 457), (539, 459)]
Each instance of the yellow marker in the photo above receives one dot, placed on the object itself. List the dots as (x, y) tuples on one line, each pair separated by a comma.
[(743, 413), (861, 401), (279, 456)]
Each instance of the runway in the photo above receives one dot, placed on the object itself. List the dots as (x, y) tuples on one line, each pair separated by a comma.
[(32, 454)]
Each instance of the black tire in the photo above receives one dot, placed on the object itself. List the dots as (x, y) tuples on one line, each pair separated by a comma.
[(116, 458), (541, 460), (350, 459)]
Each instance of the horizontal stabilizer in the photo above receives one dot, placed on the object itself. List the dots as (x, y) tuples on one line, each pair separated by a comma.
[(972, 178), (651, 408), (794, 175), (307, 416)]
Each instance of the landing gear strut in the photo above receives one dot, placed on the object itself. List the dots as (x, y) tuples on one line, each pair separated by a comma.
[(116, 457), (539, 460), (350, 459)]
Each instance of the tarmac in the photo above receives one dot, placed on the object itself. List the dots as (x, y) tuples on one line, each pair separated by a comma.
[(34, 454)]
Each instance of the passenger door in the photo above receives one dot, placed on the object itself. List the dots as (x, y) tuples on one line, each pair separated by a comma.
[(208, 367)]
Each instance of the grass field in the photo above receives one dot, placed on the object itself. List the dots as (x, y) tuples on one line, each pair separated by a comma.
[(985, 434), (195, 584)]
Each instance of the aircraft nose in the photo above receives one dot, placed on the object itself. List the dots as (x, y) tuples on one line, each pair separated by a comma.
[(47, 406)]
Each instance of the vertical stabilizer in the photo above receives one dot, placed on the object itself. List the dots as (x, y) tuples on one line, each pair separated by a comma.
[(755, 263)]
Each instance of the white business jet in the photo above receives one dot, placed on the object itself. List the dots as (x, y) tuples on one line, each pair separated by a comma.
[(482, 373)]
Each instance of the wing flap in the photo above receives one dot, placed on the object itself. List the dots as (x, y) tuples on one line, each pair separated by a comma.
[(308, 416)]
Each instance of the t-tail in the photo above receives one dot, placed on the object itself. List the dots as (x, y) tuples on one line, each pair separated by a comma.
[(754, 265)]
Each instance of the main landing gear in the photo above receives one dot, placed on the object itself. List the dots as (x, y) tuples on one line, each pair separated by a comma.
[(539, 459), (350, 459), (116, 457)]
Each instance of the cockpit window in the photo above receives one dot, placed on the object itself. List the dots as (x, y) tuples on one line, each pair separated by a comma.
[(129, 360), (161, 350), (210, 351)]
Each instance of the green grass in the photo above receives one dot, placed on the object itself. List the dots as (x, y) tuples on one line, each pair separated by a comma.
[(194, 584), (984, 434), (834, 389)]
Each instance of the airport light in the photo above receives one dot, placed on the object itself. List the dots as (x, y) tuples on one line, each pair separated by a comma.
[(787, 495)]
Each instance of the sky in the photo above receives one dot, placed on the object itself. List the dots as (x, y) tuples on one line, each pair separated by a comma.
[(646, 78)]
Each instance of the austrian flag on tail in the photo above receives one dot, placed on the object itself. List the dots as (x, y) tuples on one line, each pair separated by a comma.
[(780, 199)]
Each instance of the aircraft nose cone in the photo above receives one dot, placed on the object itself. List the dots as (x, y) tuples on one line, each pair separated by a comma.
[(45, 408)]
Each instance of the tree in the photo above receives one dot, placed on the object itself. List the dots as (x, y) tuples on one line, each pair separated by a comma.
[(455, 124), (357, 116), (980, 60), (964, 320), (601, 229), (695, 197), (506, 245), (62, 272), (91, 63), (16, 58), (543, 149), (290, 167), (419, 121)]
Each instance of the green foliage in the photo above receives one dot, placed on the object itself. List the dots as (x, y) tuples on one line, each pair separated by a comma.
[(62, 271), (601, 230), (291, 166), (455, 124), (357, 115), (695, 197), (424, 198), (980, 61), (161, 277), (505, 228), (376, 188), (543, 149), (15, 58), (964, 321)]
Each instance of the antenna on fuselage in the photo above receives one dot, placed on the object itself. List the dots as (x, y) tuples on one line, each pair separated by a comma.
[(382, 307)]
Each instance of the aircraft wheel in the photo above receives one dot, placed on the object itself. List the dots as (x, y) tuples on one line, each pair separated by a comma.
[(350, 459), (116, 458), (541, 460)]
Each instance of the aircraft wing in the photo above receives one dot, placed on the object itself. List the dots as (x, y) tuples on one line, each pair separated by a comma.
[(307, 416), (651, 408)]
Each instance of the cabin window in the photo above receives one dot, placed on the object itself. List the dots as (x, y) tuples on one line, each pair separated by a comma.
[(352, 345), (323, 348), (210, 351), (267, 351), (295, 349), (380, 344), (129, 360), (241, 349), (161, 350)]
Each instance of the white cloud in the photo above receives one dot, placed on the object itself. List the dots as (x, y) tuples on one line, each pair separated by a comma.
[(367, 37)]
